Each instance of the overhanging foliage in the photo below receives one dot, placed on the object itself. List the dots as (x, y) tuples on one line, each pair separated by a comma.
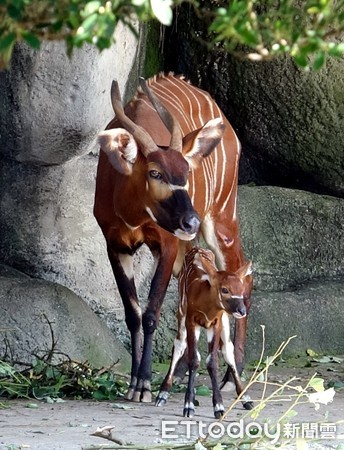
[(265, 27)]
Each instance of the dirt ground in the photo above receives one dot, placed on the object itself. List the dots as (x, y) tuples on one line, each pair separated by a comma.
[(69, 425)]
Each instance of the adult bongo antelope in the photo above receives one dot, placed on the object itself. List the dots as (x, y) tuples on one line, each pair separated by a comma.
[(207, 297), (160, 183)]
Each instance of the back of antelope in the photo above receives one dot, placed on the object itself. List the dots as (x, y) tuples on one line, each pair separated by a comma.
[(160, 183)]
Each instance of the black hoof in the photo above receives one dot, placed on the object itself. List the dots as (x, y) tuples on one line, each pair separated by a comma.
[(218, 414), (161, 399), (248, 405), (189, 411), (219, 410)]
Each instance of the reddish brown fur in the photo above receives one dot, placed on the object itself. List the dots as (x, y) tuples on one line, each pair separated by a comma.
[(122, 197), (206, 298)]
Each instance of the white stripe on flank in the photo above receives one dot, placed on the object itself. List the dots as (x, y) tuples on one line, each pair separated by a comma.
[(224, 204), (194, 108)]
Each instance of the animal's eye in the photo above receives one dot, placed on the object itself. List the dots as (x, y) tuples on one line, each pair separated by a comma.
[(224, 290), (155, 174)]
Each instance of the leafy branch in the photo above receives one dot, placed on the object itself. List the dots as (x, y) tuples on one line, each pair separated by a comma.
[(76, 21), (46, 379), (309, 30), (269, 28)]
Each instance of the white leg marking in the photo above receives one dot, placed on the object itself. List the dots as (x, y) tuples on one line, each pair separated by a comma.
[(227, 344), (127, 264), (227, 350), (246, 398), (179, 346), (210, 334)]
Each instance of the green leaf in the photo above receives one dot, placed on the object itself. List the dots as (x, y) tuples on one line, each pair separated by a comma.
[(290, 414), (319, 61), (249, 37), (73, 21), (301, 60), (203, 391), (121, 406), (317, 384), (88, 23), (311, 353), (103, 43), (90, 8), (218, 446), (98, 395), (162, 11), (31, 405), (7, 41), (337, 385), (31, 39), (57, 26), (14, 12)]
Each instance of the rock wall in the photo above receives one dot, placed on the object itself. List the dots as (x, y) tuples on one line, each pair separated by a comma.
[(52, 109), (290, 125), (289, 121), (292, 236), (295, 240), (32, 309)]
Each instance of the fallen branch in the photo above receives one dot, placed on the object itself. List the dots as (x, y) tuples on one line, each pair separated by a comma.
[(106, 433)]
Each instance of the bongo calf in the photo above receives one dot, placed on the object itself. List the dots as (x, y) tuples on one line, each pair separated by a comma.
[(207, 297)]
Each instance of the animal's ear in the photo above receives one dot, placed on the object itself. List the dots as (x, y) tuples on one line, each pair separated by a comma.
[(120, 147), (200, 143), (244, 270), (207, 266)]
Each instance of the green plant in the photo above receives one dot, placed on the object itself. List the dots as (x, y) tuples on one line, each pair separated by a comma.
[(49, 381), (77, 21), (268, 28), (308, 30)]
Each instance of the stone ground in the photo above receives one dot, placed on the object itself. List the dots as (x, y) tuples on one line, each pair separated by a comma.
[(69, 425)]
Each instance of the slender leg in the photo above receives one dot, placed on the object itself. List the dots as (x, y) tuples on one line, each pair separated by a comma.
[(165, 258), (240, 332), (182, 367), (122, 266), (178, 352), (213, 335), (228, 354), (194, 361)]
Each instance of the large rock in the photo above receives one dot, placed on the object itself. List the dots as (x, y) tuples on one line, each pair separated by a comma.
[(52, 110), (290, 121), (291, 236), (48, 230), (296, 242), (26, 307), (314, 314), (54, 106)]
